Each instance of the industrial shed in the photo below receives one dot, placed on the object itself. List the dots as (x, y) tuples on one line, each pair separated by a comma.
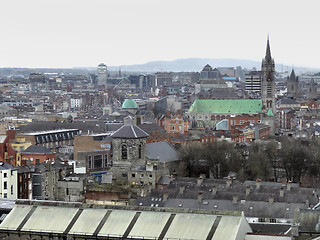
[(57, 220)]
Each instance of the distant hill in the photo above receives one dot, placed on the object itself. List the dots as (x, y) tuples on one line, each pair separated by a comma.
[(196, 64)]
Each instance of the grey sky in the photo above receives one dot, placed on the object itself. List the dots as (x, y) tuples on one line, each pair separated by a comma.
[(74, 33)]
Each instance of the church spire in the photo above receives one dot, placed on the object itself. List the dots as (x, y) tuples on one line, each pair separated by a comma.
[(268, 52), (293, 75)]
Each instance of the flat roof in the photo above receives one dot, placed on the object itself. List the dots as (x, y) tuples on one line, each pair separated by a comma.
[(48, 132)]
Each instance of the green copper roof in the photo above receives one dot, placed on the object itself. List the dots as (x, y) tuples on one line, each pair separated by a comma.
[(235, 106), (129, 103), (270, 113)]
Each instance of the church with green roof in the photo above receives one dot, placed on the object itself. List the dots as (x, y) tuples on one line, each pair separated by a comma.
[(210, 111)]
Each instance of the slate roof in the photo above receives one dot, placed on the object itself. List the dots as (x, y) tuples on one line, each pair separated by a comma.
[(6, 166), (152, 127), (254, 204), (241, 106), (162, 151), (130, 131), (287, 101), (37, 149)]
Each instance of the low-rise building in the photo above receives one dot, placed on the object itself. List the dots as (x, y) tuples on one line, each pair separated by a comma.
[(8, 181)]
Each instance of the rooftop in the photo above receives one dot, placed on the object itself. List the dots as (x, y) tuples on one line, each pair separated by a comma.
[(234, 106)]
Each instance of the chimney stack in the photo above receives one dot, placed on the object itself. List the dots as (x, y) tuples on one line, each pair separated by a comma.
[(271, 199), (200, 196), (181, 189), (289, 186), (229, 181), (282, 192), (165, 196), (214, 190), (258, 184), (248, 190), (235, 198), (307, 202), (199, 181)]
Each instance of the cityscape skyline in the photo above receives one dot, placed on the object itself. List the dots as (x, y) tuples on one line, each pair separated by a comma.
[(84, 34)]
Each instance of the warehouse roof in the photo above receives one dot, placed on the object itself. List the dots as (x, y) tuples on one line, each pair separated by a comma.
[(122, 222)]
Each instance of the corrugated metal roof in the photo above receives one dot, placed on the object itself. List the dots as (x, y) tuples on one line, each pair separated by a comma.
[(117, 223), (149, 225), (124, 223), (50, 219), (16, 216), (186, 226), (92, 216)]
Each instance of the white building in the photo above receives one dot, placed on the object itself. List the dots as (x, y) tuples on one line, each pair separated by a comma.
[(8, 181), (75, 103)]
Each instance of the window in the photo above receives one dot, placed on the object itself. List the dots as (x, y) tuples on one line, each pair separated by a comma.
[(90, 162), (142, 175), (5, 175), (11, 189), (5, 195), (97, 161), (124, 152), (5, 185), (133, 175), (37, 161), (140, 151), (106, 160)]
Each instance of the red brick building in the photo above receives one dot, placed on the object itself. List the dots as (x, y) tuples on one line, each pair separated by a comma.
[(174, 123), (4, 139), (37, 154)]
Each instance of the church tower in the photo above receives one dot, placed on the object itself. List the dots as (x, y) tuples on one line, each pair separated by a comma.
[(292, 85), (268, 81)]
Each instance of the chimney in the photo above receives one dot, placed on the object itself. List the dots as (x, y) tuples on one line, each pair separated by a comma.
[(181, 189), (229, 181), (281, 191), (258, 184), (199, 181), (200, 196), (271, 199), (165, 196), (289, 186), (214, 190), (307, 202), (235, 198), (248, 190)]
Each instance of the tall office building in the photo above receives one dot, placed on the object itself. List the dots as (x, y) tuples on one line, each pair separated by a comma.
[(102, 74), (253, 84)]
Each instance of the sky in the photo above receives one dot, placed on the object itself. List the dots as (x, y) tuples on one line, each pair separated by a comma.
[(78, 33)]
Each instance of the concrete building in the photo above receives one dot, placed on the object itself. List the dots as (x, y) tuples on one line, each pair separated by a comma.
[(253, 83), (163, 79), (102, 74)]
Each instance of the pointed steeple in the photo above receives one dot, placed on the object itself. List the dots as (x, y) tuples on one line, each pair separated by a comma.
[(292, 75), (268, 52)]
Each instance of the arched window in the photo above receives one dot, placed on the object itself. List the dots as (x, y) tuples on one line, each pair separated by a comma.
[(140, 151), (124, 152)]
